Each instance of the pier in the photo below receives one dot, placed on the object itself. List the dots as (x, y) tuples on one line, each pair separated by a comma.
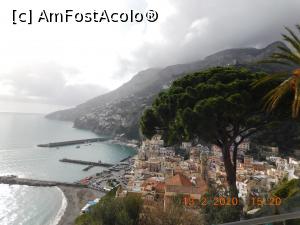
[(123, 160), (14, 180), (74, 142), (88, 163), (88, 168)]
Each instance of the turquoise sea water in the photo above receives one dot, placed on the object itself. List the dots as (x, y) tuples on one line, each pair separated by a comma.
[(19, 135)]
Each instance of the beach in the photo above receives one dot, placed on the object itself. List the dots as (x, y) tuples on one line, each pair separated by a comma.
[(76, 200), (78, 197)]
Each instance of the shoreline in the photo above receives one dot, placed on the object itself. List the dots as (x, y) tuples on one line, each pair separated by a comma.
[(74, 195), (76, 199), (62, 209), (70, 196)]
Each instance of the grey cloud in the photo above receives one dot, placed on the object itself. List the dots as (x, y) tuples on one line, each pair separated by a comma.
[(197, 29), (228, 24), (47, 83)]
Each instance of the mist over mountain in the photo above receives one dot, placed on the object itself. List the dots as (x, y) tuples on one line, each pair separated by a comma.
[(118, 111)]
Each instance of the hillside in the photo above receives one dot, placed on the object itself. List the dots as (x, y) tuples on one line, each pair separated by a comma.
[(118, 111)]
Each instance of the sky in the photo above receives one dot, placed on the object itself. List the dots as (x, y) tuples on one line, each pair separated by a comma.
[(65, 64)]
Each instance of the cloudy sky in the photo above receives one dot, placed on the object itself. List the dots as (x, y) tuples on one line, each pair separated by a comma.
[(66, 64)]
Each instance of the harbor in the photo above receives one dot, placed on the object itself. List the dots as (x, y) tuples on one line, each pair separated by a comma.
[(107, 179), (73, 142), (91, 165), (88, 163), (44, 172), (114, 172)]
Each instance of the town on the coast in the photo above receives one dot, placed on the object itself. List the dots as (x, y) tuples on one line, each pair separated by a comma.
[(158, 173)]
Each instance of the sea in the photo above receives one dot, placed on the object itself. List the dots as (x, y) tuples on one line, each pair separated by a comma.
[(20, 133)]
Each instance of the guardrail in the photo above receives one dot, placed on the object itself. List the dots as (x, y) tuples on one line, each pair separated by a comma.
[(267, 219)]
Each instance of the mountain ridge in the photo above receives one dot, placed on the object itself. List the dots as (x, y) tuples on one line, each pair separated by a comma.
[(118, 112)]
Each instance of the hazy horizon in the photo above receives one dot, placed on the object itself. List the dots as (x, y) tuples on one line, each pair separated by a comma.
[(66, 64), (11, 105), (28, 107)]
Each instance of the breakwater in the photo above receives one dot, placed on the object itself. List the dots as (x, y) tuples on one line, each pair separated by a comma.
[(87, 168), (14, 180), (81, 162), (123, 160), (73, 142)]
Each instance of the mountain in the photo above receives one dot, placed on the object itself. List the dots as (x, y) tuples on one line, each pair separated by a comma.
[(118, 111)]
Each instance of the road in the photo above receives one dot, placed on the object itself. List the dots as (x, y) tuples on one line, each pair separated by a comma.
[(267, 219)]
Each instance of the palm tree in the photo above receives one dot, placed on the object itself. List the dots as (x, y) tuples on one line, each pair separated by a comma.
[(290, 81)]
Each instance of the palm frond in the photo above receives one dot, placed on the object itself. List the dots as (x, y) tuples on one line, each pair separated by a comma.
[(296, 101), (285, 49), (273, 97), (274, 61), (288, 57), (292, 39), (278, 76)]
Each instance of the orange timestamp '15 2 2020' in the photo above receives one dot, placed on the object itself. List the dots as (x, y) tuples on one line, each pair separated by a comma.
[(221, 201)]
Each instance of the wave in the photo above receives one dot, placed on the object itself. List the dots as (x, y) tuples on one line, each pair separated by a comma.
[(61, 211)]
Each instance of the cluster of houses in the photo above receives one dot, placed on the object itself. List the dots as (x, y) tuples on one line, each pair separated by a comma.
[(158, 174), (254, 178)]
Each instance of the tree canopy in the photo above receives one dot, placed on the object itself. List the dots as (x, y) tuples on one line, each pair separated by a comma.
[(218, 106), (113, 211), (212, 105)]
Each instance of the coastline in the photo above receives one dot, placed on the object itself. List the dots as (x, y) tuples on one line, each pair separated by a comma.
[(62, 209), (76, 198), (66, 197)]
